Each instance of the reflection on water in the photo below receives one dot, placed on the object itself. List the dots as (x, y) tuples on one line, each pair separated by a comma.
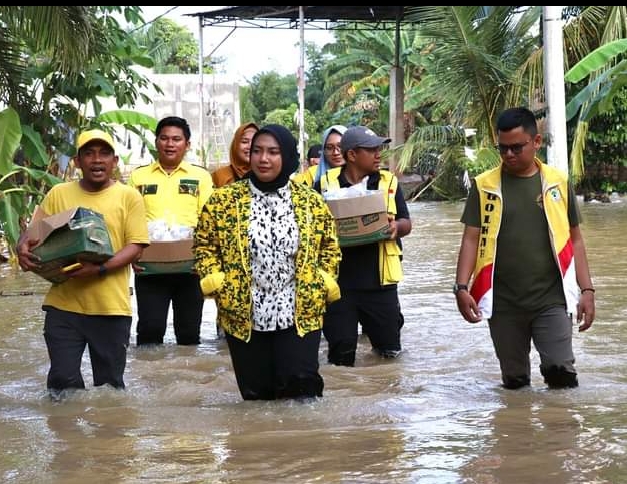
[(436, 415)]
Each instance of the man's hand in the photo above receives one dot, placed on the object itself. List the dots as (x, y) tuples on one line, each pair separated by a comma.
[(392, 230), (468, 306), (27, 260), (137, 269), (585, 310)]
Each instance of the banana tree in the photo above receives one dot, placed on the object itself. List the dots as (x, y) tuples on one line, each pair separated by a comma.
[(597, 96)]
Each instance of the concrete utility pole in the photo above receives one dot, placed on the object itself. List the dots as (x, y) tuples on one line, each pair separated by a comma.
[(301, 90), (201, 95), (557, 148), (397, 95)]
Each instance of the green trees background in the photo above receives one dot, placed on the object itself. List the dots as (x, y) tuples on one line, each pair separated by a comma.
[(462, 66)]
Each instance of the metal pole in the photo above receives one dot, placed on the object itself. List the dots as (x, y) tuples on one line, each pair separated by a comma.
[(557, 147), (201, 95), (301, 90)]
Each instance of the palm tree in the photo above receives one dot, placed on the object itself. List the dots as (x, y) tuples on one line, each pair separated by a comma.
[(62, 34), (358, 77), (479, 54)]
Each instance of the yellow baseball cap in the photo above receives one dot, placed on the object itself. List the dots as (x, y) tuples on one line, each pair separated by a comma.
[(94, 134)]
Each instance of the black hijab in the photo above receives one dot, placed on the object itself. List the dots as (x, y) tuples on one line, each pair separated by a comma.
[(289, 157)]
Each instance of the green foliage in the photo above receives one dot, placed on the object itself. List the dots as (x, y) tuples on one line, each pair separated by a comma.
[(448, 180), (10, 136), (68, 57), (173, 47), (314, 92), (358, 76), (20, 185), (248, 109), (606, 139), (485, 159), (287, 117), (270, 91)]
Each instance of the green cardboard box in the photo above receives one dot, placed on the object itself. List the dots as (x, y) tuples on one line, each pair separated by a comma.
[(79, 234), (168, 257)]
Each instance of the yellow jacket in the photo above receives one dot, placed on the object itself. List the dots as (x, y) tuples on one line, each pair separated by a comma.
[(390, 267), (223, 257), (555, 199), (307, 176)]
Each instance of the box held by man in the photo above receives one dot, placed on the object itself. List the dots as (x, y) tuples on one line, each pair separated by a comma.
[(360, 220), (66, 239)]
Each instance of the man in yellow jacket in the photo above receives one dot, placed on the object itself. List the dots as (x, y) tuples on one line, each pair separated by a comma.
[(369, 273), (174, 191), (524, 248)]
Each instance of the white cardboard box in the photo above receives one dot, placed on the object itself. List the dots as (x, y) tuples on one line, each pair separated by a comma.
[(360, 220)]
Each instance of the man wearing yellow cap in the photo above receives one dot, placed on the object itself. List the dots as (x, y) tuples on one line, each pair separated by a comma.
[(174, 192), (92, 308)]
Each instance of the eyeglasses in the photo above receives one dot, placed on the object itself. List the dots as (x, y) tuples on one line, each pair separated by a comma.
[(332, 148), (516, 148)]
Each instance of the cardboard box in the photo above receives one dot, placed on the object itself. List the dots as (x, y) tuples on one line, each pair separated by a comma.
[(66, 238), (168, 257), (360, 220)]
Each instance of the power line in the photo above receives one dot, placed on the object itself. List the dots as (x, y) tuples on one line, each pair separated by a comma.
[(154, 19)]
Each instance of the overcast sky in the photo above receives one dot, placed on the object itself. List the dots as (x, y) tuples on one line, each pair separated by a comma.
[(247, 51)]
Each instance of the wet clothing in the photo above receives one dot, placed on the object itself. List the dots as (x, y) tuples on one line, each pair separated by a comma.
[(368, 297), (154, 293), (177, 198), (551, 332), (267, 251), (525, 276), (66, 334), (379, 313), (96, 311), (277, 364)]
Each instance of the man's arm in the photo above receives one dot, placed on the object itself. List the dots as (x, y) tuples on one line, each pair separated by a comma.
[(586, 306), (466, 261), (400, 224)]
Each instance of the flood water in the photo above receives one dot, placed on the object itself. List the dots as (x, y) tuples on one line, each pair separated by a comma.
[(435, 415)]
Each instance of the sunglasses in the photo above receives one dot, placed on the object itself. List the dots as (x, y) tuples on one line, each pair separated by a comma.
[(516, 148)]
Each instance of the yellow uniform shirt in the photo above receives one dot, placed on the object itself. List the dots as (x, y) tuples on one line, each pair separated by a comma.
[(176, 197), (307, 177), (124, 215)]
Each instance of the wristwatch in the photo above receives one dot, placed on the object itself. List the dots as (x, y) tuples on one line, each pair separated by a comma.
[(102, 270), (459, 287)]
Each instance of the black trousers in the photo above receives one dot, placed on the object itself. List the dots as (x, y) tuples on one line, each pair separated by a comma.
[(66, 336), (154, 294), (380, 316), (277, 364)]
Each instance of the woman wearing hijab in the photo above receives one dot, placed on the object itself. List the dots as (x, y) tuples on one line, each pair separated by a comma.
[(330, 156), (239, 154), (267, 251)]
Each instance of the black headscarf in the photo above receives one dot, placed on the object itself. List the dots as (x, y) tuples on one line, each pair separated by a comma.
[(289, 157)]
